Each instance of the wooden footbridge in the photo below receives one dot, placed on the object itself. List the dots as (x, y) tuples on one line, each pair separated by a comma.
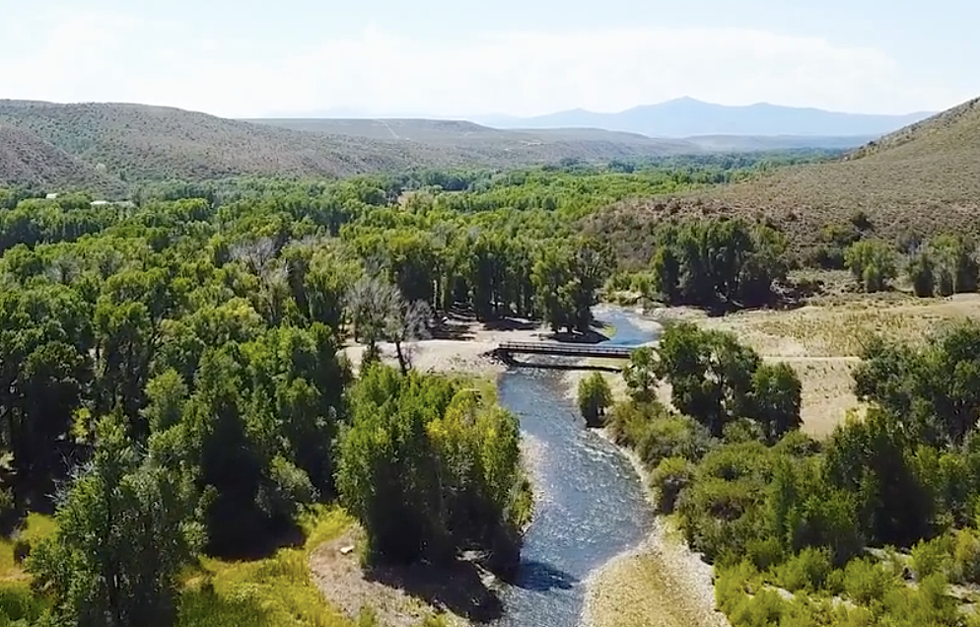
[(508, 349)]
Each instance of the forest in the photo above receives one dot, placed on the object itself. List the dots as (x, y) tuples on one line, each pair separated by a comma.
[(172, 391), (174, 394)]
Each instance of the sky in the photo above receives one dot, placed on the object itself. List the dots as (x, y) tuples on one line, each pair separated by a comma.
[(455, 58)]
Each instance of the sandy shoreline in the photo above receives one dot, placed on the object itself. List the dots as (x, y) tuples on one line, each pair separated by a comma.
[(465, 351)]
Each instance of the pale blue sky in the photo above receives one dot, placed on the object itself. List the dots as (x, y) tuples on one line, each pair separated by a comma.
[(249, 58)]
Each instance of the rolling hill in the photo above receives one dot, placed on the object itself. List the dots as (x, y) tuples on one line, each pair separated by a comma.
[(464, 133), (687, 117), (924, 178), (140, 143), (26, 159)]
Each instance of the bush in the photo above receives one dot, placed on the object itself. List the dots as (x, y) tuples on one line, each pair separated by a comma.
[(866, 581), (872, 262), (807, 571), (922, 274), (966, 557), (741, 430), (930, 557), (594, 396), (671, 476), (827, 256), (764, 552), (656, 434), (22, 548)]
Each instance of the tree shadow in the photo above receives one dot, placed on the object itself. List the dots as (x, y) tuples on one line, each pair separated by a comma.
[(253, 542), (458, 588), (445, 329), (559, 365), (589, 337), (541, 577), (510, 324)]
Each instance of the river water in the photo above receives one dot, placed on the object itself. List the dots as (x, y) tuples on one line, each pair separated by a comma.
[(590, 505)]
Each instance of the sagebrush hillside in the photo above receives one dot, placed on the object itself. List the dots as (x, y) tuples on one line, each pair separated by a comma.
[(924, 178), (28, 160), (142, 143), (465, 134)]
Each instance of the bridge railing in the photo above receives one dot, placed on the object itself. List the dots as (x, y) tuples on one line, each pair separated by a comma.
[(554, 348)]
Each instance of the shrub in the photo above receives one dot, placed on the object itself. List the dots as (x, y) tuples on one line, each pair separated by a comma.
[(866, 581), (872, 262), (966, 557), (930, 557), (594, 396), (921, 274), (22, 548), (764, 552), (656, 434), (807, 571), (671, 476)]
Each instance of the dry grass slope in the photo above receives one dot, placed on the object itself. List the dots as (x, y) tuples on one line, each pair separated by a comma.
[(140, 143), (925, 177), (26, 159)]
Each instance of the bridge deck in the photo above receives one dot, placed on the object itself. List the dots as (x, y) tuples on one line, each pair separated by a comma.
[(569, 350)]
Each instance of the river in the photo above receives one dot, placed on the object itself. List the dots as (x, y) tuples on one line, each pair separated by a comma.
[(590, 504)]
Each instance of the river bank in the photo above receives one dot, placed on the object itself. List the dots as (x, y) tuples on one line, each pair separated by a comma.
[(661, 582)]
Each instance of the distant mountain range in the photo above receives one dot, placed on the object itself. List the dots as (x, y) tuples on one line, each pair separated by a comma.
[(687, 117)]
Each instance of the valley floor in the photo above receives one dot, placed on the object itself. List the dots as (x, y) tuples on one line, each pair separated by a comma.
[(661, 582)]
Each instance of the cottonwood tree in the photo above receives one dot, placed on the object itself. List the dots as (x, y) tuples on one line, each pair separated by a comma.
[(640, 374), (379, 313), (126, 528), (776, 398)]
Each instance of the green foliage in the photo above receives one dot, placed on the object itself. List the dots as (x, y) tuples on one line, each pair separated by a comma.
[(872, 262), (594, 396), (567, 280), (640, 375), (719, 262), (125, 531), (965, 567), (866, 581), (936, 389), (930, 557), (429, 470), (922, 273), (671, 476), (717, 380), (656, 433), (956, 264), (807, 571), (776, 398)]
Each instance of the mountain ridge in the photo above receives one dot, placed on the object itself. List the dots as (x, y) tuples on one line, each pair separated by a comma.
[(686, 117)]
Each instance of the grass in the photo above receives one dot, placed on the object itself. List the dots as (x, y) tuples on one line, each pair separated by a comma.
[(33, 529), (273, 592)]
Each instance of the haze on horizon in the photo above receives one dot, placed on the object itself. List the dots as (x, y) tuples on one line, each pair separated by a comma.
[(248, 58)]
